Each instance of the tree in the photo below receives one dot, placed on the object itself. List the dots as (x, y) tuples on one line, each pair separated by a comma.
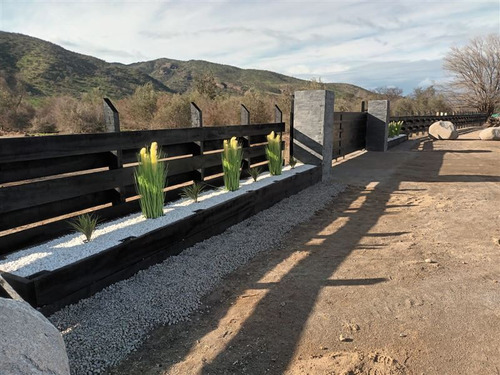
[(475, 70), (143, 104), (421, 101), (390, 93), (207, 86), (15, 112), (315, 84)]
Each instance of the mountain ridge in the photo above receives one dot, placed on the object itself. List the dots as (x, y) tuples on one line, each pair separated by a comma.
[(48, 69)]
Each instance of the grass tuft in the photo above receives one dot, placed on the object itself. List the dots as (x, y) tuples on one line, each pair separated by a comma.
[(273, 153), (293, 162), (231, 163), (193, 191), (85, 224), (150, 180), (254, 172)]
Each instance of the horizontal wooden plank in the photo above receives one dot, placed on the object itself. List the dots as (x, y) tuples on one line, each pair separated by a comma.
[(77, 144), (42, 233), (27, 170), (130, 156), (35, 214), (42, 192)]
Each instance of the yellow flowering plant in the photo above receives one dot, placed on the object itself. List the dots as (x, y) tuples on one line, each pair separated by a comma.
[(231, 163), (150, 180), (274, 154)]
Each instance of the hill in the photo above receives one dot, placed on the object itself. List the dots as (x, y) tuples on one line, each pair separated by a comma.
[(180, 77), (48, 69)]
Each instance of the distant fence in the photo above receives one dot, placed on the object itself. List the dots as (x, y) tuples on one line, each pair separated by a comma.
[(45, 178), (349, 132), (416, 124)]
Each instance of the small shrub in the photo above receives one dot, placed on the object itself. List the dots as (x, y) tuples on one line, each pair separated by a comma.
[(395, 128), (254, 172), (150, 180), (293, 162), (85, 224), (231, 163), (273, 153), (193, 191)]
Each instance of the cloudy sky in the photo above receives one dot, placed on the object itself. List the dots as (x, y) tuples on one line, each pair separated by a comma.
[(367, 43)]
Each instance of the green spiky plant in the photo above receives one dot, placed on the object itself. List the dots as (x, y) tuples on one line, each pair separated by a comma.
[(85, 224), (150, 180), (193, 191), (293, 162), (231, 163), (274, 154), (395, 128), (254, 172)]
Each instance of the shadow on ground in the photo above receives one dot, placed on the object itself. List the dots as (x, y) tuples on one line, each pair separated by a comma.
[(254, 323)]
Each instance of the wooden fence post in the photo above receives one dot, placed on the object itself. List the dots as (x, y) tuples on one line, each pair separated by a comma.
[(112, 121), (291, 126), (363, 106), (278, 117), (197, 122), (245, 120)]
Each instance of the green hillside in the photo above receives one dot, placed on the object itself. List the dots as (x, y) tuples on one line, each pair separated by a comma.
[(48, 69), (180, 77)]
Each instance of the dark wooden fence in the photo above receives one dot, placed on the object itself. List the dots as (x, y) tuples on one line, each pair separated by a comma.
[(50, 178), (349, 132), (418, 124)]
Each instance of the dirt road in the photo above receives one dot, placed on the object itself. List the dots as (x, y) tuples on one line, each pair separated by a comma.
[(405, 265)]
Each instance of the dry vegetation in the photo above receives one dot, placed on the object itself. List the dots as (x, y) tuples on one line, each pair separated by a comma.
[(150, 109)]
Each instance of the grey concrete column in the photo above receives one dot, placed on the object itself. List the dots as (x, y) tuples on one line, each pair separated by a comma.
[(313, 128), (377, 125), (196, 116)]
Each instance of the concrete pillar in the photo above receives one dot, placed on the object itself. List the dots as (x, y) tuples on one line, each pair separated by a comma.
[(377, 125), (196, 116), (313, 128)]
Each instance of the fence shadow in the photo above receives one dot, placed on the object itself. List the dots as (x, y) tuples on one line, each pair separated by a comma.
[(274, 324)]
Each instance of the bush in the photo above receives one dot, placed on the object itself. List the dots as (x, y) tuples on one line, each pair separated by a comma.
[(231, 164), (150, 179), (274, 154)]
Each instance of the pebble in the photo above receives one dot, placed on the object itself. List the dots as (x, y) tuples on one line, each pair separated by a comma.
[(102, 330), (345, 338), (428, 260)]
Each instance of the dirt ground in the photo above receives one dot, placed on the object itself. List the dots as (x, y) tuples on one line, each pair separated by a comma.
[(405, 265)]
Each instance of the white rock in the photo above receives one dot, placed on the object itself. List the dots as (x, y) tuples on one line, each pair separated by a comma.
[(29, 343), (490, 134), (443, 130)]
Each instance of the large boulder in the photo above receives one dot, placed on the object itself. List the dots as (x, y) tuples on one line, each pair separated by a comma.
[(443, 130), (29, 343), (490, 134)]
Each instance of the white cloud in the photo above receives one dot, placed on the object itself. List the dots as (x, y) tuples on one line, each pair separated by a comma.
[(363, 42)]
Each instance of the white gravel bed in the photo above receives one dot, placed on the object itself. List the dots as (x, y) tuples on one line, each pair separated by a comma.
[(100, 331), (71, 248)]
